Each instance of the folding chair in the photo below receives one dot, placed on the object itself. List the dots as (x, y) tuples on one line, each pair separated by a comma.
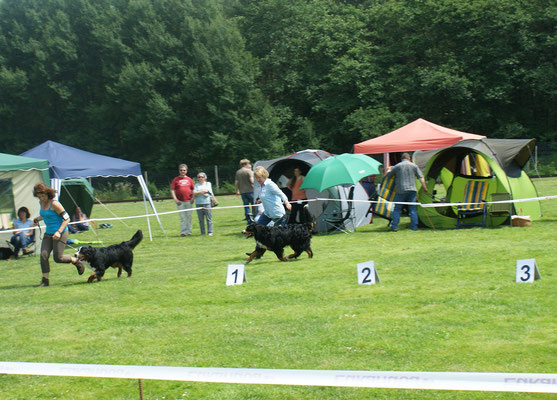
[(475, 195), (501, 209), (382, 205), (337, 220)]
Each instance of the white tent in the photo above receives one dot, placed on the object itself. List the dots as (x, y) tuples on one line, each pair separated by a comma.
[(18, 175)]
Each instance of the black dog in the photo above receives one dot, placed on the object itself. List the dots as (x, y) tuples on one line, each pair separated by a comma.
[(117, 256), (275, 238)]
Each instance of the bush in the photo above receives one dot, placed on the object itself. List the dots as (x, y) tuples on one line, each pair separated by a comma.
[(225, 187), (117, 191)]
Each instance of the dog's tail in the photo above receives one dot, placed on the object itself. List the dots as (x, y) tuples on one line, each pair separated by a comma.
[(308, 218), (134, 241)]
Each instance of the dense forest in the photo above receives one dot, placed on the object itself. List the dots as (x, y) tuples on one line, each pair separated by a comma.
[(212, 81)]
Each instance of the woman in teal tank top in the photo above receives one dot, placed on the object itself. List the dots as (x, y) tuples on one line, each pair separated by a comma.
[(56, 220)]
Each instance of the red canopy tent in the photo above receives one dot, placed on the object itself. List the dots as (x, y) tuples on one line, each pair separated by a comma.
[(417, 135)]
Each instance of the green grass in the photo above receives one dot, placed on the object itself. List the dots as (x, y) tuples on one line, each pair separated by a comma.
[(447, 301)]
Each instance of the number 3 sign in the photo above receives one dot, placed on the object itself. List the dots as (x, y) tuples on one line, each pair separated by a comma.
[(527, 270), (367, 275)]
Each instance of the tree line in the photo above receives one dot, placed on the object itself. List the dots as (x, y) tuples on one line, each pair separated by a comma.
[(212, 81)]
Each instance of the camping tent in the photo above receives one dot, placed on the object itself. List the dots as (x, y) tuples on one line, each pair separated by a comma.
[(281, 170), (18, 175), (417, 135), (77, 192), (499, 162), (69, 162)]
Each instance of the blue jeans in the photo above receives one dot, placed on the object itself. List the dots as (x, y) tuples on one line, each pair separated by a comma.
[(247, 199), (74, 228), (407, 197), (20, 241), (205, 214), (265, 220)]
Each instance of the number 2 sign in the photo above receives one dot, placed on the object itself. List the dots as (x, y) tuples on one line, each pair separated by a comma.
[(367, 275), (527, 270)]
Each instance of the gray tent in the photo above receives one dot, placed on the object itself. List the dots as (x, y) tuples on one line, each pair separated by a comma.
[(281, 170)]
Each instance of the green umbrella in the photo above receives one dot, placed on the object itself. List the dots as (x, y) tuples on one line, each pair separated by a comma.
[(343, 169)]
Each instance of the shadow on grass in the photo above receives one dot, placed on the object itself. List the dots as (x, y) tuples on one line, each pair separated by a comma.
[(12, 287)]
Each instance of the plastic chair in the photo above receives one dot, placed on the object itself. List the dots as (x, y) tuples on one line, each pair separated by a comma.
[(475, 195)]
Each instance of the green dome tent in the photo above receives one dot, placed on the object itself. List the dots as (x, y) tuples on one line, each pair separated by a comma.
[(499, 162), (77, 191)]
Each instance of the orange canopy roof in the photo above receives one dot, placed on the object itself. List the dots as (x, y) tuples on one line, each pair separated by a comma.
[(417, 135)]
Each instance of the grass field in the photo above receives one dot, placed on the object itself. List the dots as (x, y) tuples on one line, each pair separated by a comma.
[(447, 301)]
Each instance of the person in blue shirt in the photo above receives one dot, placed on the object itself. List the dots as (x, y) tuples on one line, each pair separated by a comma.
[(272, 199), (56, 220), (23, 235)]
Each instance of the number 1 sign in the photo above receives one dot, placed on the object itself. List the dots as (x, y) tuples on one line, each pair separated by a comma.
[(527, 270), (236, 274), (367, 275)]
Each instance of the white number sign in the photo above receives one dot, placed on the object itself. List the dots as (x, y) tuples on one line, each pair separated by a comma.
[(367, 274), (527, 271), (236, 274)]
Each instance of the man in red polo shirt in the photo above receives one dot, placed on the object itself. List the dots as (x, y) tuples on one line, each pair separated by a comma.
[(181, 190)]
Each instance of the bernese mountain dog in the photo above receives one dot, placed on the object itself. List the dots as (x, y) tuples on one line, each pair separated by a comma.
[(275, 238), (120, 256)]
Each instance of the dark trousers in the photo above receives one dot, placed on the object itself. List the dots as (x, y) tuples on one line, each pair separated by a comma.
[(20, 241), (297, 209), (247, 200), (49, 245)]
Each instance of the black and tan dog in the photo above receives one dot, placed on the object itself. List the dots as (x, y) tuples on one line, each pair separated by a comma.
[(275, 238), (117, 256)]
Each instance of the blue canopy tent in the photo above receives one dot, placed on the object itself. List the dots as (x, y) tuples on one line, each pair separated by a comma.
[(68, 162)]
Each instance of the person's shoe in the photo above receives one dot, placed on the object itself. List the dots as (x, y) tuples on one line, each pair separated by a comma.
[(79, 266), (210, 234), (393, 230), (182, 234), (44, 282)]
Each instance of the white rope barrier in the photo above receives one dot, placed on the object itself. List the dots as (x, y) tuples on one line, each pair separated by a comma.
[(440, 204), (480, 381), (425, 205)]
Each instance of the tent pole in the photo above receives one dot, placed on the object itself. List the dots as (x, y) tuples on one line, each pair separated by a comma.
[(386, 162), (147, 216), (148, 195), (217, 177), (56, 184)]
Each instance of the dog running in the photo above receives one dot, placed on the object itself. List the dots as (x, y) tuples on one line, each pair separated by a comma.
[(120, 256), (275, 238)]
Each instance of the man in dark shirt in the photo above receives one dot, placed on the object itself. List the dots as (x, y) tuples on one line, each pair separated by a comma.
[(405, 173), (244, 187)]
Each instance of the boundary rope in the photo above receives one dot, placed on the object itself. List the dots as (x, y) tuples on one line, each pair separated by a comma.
[(426, 205), (480, 381)]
